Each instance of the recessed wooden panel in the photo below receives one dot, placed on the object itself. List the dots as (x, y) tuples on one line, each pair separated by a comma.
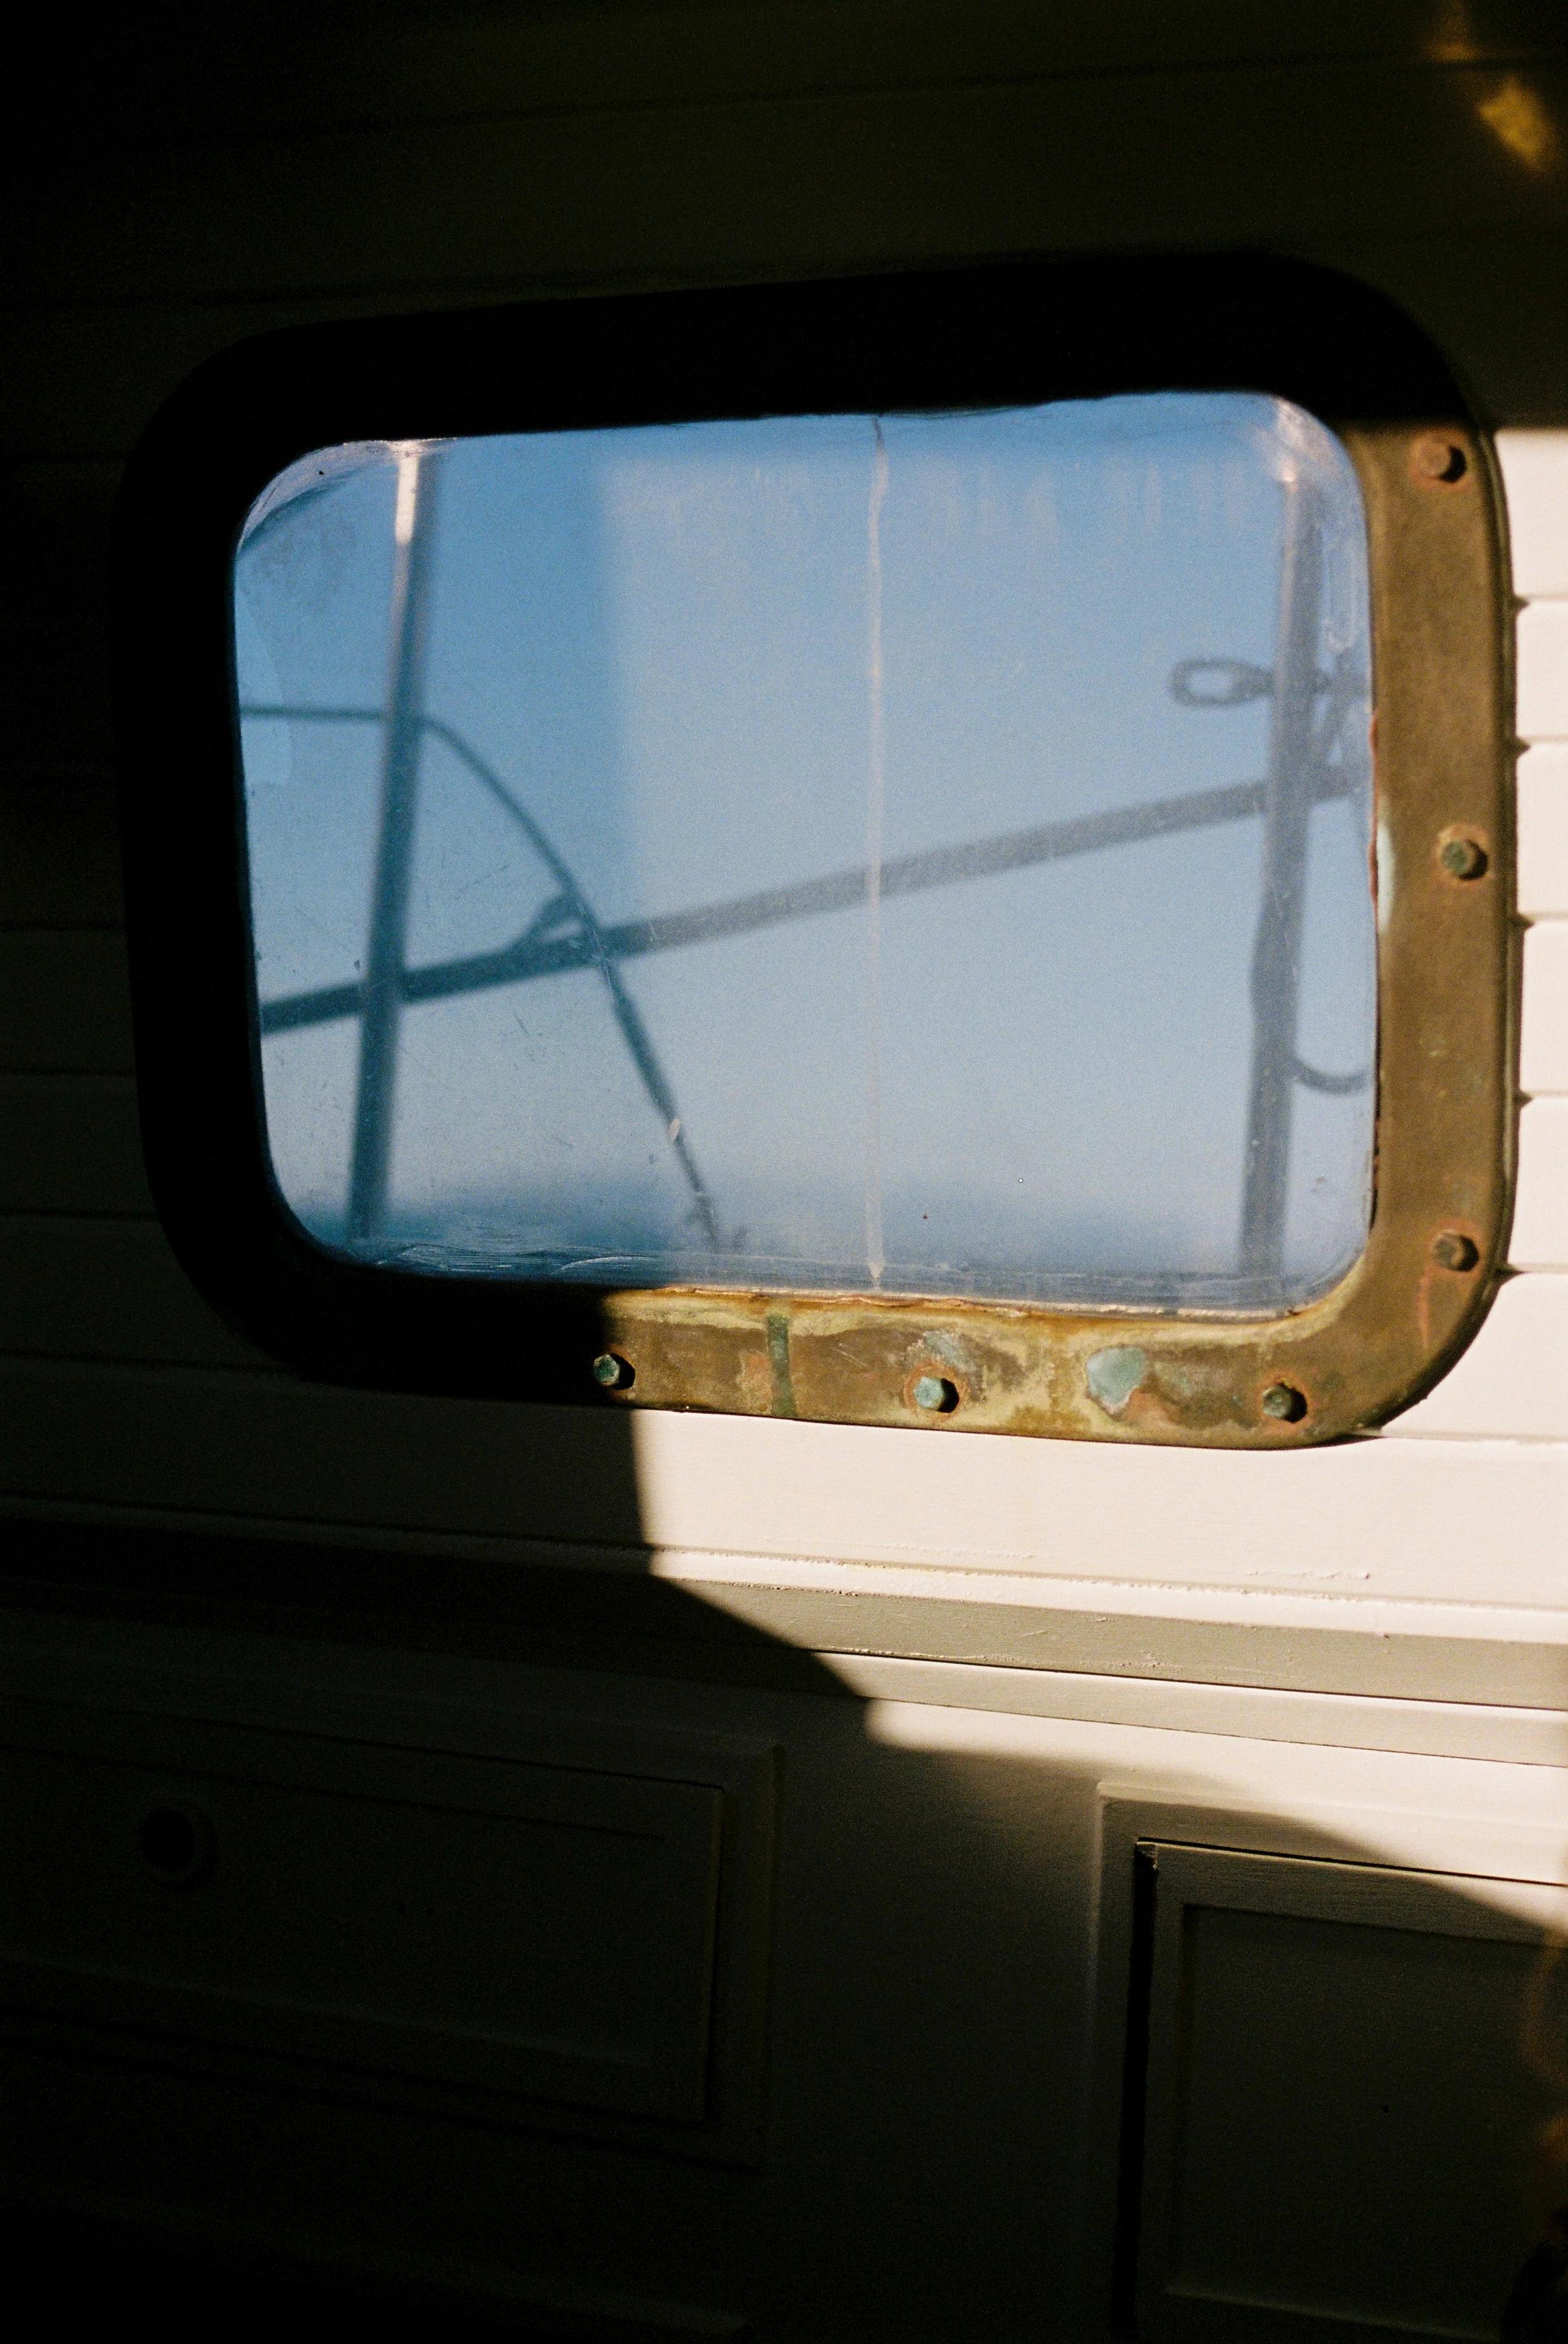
[(471, 1921), (1340, 2113)]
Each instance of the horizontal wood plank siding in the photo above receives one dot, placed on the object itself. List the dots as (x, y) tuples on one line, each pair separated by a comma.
[(66, 1002), (1465, 1522), (1540, 1238), (268, 1446), (1543, 675), (565, 153), (833, 179), (71, 1144), (1543, 1039), (1513, 1382), (59, 850), (54, 619), (105, 1289), (1543, 831)]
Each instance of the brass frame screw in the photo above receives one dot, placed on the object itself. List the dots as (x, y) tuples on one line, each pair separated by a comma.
[(937, 1394), (1284, 1403), (611, 1372), (1451, 1249), (1463, 857), (1438, 462)]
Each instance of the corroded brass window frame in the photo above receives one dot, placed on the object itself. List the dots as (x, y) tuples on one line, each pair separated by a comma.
[(1445, 1047), (1446, 966)]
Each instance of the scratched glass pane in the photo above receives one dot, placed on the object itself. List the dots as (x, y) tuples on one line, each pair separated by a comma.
[(926, 855)]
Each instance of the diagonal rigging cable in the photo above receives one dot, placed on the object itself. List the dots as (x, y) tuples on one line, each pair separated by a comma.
[(568, 934), (540, 952), (573, 904), (570, 904)]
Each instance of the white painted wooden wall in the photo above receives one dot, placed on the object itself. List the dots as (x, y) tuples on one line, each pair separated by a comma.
[(1365, 1647), (125, 1399), (510, 154)]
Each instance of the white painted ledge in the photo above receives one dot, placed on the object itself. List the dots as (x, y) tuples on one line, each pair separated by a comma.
[(1433, 1519)]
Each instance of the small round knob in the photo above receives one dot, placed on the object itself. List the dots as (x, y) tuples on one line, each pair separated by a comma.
[(177, 1845)]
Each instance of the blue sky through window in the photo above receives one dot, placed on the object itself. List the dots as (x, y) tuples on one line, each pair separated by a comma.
[(712, 661)]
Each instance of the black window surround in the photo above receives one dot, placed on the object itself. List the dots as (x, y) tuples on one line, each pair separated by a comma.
[(1013, 333)]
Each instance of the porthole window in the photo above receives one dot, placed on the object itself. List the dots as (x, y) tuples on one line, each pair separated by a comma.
[(908, 854), (854, 883)]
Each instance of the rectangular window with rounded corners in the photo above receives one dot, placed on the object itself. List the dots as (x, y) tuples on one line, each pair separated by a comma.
[(839, 870), (908, 854)]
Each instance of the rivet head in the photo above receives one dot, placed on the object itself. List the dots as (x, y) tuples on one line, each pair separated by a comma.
[(1437, 459), (1462, 858), (611, 1371), (1284, 1403), (1451, 1249), (935, 1393)]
